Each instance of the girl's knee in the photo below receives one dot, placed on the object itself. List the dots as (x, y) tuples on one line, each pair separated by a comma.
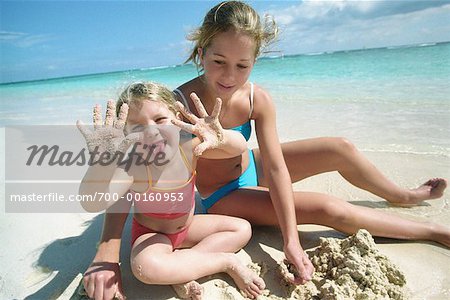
[(342, 145), (245, 229), (342, 152), (335, 210), (147, 269), (242, 229)]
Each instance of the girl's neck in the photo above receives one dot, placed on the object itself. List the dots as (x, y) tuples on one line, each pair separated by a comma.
[(175, 170), (168, 163)]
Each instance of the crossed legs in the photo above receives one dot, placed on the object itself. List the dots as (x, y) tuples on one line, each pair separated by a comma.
[(212, 241)]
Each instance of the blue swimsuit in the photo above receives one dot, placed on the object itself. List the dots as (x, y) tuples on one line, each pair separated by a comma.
[(248, 178)]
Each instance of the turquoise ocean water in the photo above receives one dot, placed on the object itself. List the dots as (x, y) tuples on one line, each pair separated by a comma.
[(387, 99)]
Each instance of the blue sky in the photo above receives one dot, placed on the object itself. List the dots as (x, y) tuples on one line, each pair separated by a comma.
[(47, 39)]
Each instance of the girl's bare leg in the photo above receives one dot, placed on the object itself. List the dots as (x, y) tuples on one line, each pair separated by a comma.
[(218, 233), (255, 206), (153, 260), (310, 157), (225, 234)]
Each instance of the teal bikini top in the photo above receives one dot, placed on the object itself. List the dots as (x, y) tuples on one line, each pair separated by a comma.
[(246, 128)]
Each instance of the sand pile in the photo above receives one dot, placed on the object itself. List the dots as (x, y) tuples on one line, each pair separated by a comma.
[(351, 268)]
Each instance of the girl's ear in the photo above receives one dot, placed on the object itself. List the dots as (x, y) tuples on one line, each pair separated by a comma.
[(179, 116), (200, 54)]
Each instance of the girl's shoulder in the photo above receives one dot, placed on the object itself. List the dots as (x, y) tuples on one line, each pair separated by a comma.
[(189, 86), (262, 100), (182, 94), (260, 93)]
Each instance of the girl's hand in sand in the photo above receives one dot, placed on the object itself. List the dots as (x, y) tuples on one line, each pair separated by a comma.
[(304, 268), (108, 136), (103, 281), (207, 127)]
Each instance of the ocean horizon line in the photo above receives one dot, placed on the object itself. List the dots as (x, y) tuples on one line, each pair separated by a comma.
[(282, 55), (89, 75)]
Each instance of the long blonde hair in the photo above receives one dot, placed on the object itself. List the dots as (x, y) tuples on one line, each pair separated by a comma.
[(139, 91), (232, 15)]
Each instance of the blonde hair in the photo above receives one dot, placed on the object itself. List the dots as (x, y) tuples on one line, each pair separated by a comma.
[(140, 91), (232, 15)]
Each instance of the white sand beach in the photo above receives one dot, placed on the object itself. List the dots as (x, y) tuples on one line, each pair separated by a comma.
[(42, 254), (389, 96)]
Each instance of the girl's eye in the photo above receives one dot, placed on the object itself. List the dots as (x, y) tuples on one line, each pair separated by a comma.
[(161, 120), (242, 67), (137, 128), (219, 62), (133, 128)]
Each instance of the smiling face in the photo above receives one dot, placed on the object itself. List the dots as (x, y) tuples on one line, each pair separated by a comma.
[(227, 62), (153, 119)]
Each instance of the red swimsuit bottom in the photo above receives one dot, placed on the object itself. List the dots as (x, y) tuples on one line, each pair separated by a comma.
[(176, 238)]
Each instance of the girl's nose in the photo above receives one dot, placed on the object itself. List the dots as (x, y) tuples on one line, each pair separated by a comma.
[(229, 74), (151, 131)]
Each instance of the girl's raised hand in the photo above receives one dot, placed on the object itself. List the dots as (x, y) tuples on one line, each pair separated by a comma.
[(108, 136), (206, 127)]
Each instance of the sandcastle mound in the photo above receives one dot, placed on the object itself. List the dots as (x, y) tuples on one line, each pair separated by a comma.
[(351, 268)]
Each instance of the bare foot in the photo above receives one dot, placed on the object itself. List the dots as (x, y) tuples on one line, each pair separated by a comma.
[(191, 290), (432, 189), (250, 284)]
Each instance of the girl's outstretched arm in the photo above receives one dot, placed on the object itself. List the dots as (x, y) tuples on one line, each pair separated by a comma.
[(279, 182), (107, 144)]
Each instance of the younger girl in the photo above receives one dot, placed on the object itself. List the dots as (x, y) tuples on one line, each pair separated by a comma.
[(257, 185), (159, 179)]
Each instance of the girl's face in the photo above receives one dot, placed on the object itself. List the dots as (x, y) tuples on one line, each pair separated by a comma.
[(227, 62), (153, 119)]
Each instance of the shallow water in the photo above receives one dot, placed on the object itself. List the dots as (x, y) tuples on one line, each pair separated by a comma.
[(386, 99)]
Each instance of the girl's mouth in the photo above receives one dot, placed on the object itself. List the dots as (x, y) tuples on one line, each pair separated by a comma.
[(225, 87), (157, 146)]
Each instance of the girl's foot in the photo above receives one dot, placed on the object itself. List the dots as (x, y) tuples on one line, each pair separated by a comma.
[(191, 290), (250, 284), (432, 189)]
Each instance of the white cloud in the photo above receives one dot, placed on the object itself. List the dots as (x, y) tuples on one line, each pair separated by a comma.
[(320, 11), (23, 40), (315, 26), (10, 36)]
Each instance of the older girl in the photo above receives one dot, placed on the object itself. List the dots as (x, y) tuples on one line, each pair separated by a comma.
[(256, 185)]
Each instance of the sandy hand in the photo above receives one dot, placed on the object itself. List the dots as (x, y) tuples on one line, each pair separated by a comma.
[(206, 127), (108, 136), (299, 266), (103, 280)]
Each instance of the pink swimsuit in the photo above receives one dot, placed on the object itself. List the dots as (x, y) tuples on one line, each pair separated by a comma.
[(164, 203)]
